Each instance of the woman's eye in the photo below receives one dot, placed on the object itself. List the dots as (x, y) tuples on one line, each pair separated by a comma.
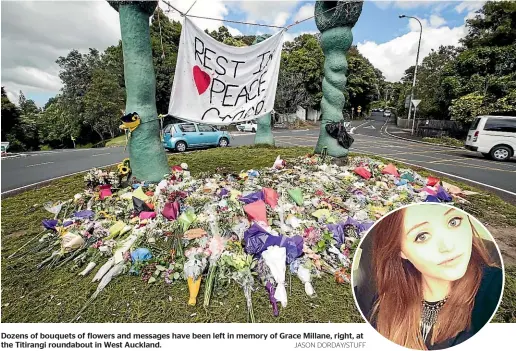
[(422, 237), (455, 221)]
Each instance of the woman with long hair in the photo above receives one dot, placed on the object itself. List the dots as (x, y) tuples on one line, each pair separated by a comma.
[(436, 283)]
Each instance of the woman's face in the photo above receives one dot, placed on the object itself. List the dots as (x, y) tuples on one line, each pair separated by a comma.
[(437, 240)]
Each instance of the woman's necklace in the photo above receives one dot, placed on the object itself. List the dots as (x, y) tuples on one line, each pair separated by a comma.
[(429, 314)]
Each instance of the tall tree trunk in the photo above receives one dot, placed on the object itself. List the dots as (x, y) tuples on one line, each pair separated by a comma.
[(148, 158)]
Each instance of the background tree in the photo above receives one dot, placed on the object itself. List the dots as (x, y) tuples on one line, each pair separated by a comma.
[(103, 102), (363, 81), (301, 73), (29, 113), (165, 58)]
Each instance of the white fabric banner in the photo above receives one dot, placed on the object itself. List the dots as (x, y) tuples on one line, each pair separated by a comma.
[(220, 84)]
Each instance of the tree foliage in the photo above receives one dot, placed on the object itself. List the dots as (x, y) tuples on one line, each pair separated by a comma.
[(478, 77), (453, 82)]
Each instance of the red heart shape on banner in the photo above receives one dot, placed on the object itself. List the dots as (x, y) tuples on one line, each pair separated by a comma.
[(202, 79)]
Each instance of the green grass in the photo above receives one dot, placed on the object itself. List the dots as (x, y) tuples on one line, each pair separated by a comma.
[(445, 141), (118, 141), (29, 295)]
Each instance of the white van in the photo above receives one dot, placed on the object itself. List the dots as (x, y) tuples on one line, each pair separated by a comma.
[(493, 136)]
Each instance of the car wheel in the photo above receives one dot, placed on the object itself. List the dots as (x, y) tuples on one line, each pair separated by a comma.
[(181, 146), (501, 153), (253, 130), (223, 142)]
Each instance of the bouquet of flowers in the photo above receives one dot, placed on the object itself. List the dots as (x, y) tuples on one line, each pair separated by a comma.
[(196, 261), (275, 257), (236, 265), (216, 247), (303, 268), (268, 282)]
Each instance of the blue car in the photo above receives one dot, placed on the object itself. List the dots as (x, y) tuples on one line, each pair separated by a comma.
[(182, 136)]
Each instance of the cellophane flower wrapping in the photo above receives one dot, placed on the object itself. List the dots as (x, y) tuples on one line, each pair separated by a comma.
[(275, 257), (266, 278)]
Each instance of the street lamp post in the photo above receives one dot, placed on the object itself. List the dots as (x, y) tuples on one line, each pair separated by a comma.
[(417, 59)]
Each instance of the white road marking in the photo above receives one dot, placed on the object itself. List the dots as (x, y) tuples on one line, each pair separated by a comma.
[(107, 153), (369, 127), (39, 164), (440, 172), (48, 180)]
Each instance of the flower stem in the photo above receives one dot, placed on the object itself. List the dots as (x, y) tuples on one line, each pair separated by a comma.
[(209, 283)]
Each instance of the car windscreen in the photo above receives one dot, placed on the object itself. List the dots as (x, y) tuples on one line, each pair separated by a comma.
[(506, 125), (474, 125)]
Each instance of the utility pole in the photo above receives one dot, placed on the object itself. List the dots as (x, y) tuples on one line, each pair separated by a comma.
[(417, 59)]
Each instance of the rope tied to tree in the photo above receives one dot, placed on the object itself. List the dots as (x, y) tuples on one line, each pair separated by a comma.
[(348, 7)]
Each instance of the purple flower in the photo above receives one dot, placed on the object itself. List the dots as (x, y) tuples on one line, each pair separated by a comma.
[(338, 232), (86, 214), (362, 227), (250, 198), (67, 223), (50, 224)]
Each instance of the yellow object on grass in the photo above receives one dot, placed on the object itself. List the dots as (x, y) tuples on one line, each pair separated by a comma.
[(116, 228), (193, 288), (326, 213), (235, 194), (138, 193)]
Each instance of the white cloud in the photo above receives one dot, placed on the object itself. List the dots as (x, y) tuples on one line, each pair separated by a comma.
[(35, 34), (280, 19), (260, 11), (437, 21), (233, 31), (304, 11), (290, 36), (212, 8), (395, 56), (470, 6)]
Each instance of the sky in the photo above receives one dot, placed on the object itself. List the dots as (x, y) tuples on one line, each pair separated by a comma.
[(35, 33)]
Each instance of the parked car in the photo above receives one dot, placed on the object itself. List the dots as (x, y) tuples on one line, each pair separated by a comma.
[(387, 113), (493, 136), (247, 126), (182, 136)]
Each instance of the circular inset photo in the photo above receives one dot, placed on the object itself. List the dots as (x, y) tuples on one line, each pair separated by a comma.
[(427, 276)]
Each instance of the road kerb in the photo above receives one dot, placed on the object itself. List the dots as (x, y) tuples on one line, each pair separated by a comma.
[(42, 183)]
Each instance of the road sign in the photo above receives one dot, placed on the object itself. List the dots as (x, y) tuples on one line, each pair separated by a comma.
[(73, 138), (407, 101), (416, 102)]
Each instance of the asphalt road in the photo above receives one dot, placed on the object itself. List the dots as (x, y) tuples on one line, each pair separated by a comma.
[(35, 167), (370, 138)]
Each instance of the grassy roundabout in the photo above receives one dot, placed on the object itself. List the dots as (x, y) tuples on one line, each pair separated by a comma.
[(32, 295)]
